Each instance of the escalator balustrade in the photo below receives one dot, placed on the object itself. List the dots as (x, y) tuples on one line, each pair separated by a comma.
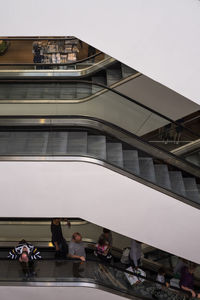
[(89, 274), (99, 146)]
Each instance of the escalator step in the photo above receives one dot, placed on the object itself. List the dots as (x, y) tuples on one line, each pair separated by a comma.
[(40, 91), (77, 143), (98, 79), (191, 189), (131, 161), (97, 146), (114, 153), (5, 138), (162, 176), (147, 170), (57, 143), (113, 76), (67, 91), (198, 186), (127, 71), (83, 90), (13, 143), (177, 182), (35, 142)]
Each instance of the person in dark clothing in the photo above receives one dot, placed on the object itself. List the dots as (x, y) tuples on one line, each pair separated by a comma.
[(187, 280), (26, 253), (57, 238)]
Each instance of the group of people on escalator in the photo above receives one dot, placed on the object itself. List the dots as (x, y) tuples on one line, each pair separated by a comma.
[(27, 253), (76, 249)]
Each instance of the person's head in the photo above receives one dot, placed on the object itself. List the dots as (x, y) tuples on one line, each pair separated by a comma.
[(24, 256), (56, 221), (138, 242), (191, 267), (102, 240), (77, 237), (23, 242), (106, 232), (161, 271)]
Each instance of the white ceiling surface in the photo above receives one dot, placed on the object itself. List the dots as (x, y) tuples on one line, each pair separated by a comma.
[(103, 197), (158, 38), (52, 293)]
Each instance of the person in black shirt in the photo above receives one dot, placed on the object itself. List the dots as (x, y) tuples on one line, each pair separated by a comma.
[(57, 238)]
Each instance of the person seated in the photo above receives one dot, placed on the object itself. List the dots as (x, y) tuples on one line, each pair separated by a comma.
[(76, 247), (187, 280), (108, 236), (103, 249), (26, 254)]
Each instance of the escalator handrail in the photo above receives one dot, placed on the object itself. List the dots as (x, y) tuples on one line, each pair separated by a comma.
[(47, 65), (107, 265), (38, 38), (105, 88)]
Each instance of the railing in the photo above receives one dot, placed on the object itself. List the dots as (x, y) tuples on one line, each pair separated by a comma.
[(78, 64), (92, 273), (87, 60), (44, 141)]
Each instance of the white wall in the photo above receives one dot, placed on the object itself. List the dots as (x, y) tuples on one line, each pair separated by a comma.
[(101, 196), (158, 38), (52, 293)]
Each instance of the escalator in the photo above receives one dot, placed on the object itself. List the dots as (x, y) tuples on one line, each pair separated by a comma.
[(129, 157), (94, 100), (85, 98), (53, 124), (93, 274), (88, 141), (111, 132), (107, 71), (98, 67), (190, 152), (51, 272)]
